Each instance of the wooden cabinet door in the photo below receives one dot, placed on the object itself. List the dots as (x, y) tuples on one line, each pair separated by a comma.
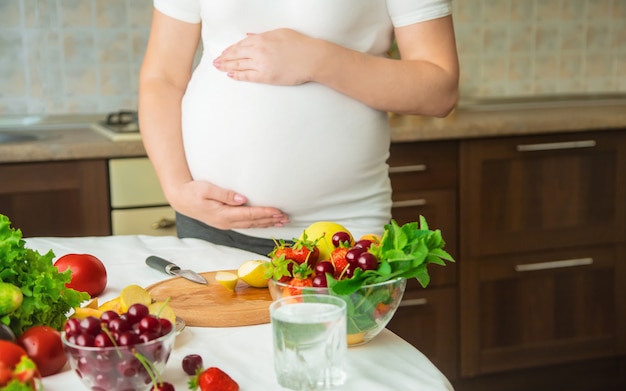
[(541, 308), (424, 179), (542, 192), (428, 320), (56, 198)]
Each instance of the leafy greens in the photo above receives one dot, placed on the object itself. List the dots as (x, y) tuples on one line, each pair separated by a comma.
[(403, 252), (46, 298)]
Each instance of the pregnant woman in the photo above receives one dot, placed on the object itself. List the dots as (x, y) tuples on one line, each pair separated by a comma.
[(283, 120)]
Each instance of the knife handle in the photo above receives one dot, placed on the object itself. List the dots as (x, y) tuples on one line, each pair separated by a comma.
[(161, 264)]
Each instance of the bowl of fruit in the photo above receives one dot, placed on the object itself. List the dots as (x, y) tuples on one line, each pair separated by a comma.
[(369, 273), (119, 352)]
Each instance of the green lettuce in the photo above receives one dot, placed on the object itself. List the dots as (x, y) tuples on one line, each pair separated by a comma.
[(46, 298)]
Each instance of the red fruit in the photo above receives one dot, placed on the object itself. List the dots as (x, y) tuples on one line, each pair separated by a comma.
[(339, 261), (192, 363), (214, 379), (44, 346), (88, 273), (296, 284), (163, 386)]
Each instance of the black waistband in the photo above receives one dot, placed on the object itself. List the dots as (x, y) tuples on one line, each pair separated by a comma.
[(187, 227)]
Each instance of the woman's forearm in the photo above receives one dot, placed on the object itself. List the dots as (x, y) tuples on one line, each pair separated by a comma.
[(425, 81)]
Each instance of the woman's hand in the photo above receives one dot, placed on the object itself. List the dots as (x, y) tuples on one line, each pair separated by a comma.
[(221, 208), (280, 57)]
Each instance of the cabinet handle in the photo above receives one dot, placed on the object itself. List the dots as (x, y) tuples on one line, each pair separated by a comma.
[(413, 302), (408, 203), (413, 168), (553, 264), (558, 145), (163, 223)]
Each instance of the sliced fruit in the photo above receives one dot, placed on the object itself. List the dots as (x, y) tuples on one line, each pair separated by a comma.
[(83, 312), (357, 338), (93, 303), (162, 310), (324, 231), (253, 273), (112, 305), (227, 279), (134, 294)]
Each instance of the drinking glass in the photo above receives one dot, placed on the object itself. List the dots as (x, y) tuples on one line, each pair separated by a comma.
[(310, 341)]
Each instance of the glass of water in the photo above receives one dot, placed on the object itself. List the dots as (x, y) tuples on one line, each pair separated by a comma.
[(310, 341)]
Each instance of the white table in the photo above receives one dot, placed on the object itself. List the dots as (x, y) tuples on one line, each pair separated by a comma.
[(386, 363)]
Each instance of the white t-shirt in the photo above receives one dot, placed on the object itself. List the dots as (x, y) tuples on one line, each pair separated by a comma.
[(308, 150)]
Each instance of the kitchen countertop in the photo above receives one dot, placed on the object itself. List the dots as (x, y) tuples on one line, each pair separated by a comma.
[(468, 121)]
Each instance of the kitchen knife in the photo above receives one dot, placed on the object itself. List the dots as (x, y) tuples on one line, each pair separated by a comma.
[(172, 269)]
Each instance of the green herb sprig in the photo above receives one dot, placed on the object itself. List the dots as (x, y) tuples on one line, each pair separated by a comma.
[(46, 299), (403, 251)]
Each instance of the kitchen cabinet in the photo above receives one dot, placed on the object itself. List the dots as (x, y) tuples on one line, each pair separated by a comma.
[(424, 179), (543, 271), (60, 198), (138, 205)]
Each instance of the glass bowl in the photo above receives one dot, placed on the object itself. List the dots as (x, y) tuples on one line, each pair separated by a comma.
[(118, 367), (369, 309)]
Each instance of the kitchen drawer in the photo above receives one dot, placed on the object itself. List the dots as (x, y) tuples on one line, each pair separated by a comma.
[(439, 209), (158, 221), (542, 192), (542, 308), (428, 320), (134, 183), (423, 165)]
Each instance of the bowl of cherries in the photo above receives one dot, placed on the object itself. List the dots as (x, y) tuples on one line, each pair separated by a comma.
[(119, 351)]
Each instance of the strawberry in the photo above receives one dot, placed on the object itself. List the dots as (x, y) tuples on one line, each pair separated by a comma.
[(339, 261), (302, 277), (213, 379), (300, 251)]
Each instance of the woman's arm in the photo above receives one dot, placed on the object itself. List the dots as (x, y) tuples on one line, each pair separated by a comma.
[(424, 82), (163, 79)]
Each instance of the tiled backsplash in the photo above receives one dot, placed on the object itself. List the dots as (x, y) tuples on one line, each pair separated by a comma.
[(83, 56)]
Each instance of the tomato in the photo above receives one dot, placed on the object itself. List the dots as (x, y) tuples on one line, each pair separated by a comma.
[(88, 272), (44, 346), (10, 353)]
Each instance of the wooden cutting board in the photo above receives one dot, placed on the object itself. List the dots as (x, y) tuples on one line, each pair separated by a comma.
[(213, 305)]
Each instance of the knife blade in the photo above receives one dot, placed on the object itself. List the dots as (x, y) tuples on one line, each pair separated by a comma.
[(165, 266)]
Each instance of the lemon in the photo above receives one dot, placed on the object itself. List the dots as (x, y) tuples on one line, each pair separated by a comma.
[(83, 312), (162, 310), (227, 279), (92, 303), (134, 294), (253, 273), (111, 305), (324, 230)]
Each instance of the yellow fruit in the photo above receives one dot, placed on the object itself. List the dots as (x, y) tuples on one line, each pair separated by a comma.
[(111, 305), (83, 312), (93, 303), (373, 237), (227, 279), (357, 338), (162, 310), (253, 273), (134, 294), (324, 230)]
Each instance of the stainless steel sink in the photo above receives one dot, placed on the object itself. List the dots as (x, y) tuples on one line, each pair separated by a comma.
[(16, 137)]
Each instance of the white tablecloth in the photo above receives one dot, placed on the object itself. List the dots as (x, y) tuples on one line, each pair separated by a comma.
[(386, 363)]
